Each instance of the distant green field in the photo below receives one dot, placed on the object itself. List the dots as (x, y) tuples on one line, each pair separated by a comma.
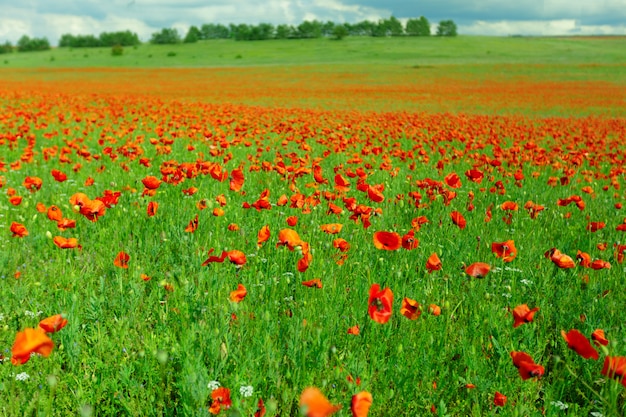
[(411, 51)]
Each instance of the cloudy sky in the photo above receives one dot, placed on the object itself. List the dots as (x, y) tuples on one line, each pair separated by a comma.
[(52, 18)]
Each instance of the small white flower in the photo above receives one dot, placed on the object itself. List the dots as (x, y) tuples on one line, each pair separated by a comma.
[(22, 377), (213, 385), (559, 404), (29, 313), (246, 390), (526, 282), (596, 414), (1, 316), (505, 295)]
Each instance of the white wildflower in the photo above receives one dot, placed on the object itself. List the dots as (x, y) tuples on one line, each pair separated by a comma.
[(22, 377), (246, 390), (213, 385), (559, 404)]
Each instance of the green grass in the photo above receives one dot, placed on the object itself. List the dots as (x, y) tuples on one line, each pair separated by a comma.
[(353, 50)]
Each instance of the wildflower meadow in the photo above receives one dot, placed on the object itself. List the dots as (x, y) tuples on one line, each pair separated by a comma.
[(442, 238)]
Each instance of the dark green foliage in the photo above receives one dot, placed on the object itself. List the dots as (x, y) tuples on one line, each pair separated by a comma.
[(418, 27), (340, 32), (193, 35), (122, 38), (117, 50), (27, 44), (6, 48), (446, 28), (165, 36), (214, 31)]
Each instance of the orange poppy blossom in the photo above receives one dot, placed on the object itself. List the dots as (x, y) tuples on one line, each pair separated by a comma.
[(15, 200), (478, 270), (66, 243), (151, 182), (239, 294), (263, 235), (526, 366), (315, 282), (509, 206), (314, 404), (331, 228), (584, 259), (55, 214), (458, 219), (533, 209), (121, 260), (615, 367), (341, 244), (360, 404), (387, 240), (28, 342), (433, 263), (193, 225), (292, 220), (236, 180), (453, 180), (289, 238), (33, 184), (41, 208), (434, 309), (53, 324), (522, 314), (220, 400), (18, 230), (380, 304), (600, 264), (260, 410), (580, 344), (152, 208), (505, 250), (410, 309), (354, 330), (218, 212), (595, 226), (598, 337), (560, 259)]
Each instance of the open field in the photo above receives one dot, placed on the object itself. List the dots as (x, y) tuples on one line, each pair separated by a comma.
[(306, 215)]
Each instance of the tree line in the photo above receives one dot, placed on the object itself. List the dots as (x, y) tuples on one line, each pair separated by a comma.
[(244, 32), (305, 30)]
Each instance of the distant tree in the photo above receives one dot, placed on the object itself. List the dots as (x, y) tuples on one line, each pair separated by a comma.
[(263, 31), (285, 31), (446, 28), (395, 26), (340, 32), (66, 40), (122, 38), (309, 29), (240, 32), (328, 28), (165, 36), (26, 44), (117, 50), (193, 35), (418, 27), (6, 48), (363, 28), (214, 31)]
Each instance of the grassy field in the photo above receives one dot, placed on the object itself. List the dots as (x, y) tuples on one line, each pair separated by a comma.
[(227, 205)]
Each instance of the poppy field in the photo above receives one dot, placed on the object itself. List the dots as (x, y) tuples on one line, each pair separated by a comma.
[(271, 242)]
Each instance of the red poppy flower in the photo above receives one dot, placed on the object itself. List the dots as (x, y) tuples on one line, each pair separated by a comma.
[(18, 230), (458, 219), (600, 264), (151, 182), (453, 180), (53, 324), (380, 304), (152, 208), (33, 184), (375, 194), (584, 259), (387, 240), (560, 259), (341, 244), (526, 365), (580, 344), (314, 404), (341, 184), (598, 337), (478, 270), (58, 175), (522, 314), (474, 175), (28, 342), (239, 294), (41, 208), (433, 263), (409, 242), (499, 400), (410, 309), (121, 260), (615, 367), (292, 220), (505, 250), (260, 411), (236, 180), (315, 282), (65, 243), (510, 206), (193, 225), (360, 404), (233, 227), (218, 212), (263, 235), (16, 200), (190, 191), (220, 400)]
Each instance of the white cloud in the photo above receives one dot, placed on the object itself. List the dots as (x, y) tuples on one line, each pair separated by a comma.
[(539, 28)]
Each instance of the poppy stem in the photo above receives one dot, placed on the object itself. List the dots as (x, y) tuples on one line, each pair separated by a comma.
[(596, 393)]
